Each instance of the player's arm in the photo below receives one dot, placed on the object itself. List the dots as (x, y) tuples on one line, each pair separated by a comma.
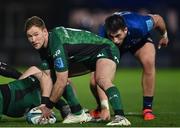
[(30, 71), (159, 24), (45, 83), (58, 88), (7, 71)]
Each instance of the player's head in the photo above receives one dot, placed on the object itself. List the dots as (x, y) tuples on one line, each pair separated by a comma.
[(36, 32), (116, 28)]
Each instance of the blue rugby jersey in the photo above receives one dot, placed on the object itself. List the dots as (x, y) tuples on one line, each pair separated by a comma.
[(138, 26)]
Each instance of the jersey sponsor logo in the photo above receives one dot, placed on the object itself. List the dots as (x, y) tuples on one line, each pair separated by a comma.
[(58, 63), (57, 53), (100, 55), (44, 64), (149, 24), (114, 96)]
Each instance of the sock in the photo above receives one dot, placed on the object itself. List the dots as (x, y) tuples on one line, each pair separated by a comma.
[(63, 107), (60, 104), (115, 100), (147, 102), (72, 100)]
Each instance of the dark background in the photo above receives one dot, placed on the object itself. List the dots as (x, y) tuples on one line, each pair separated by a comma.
[(88, 14)]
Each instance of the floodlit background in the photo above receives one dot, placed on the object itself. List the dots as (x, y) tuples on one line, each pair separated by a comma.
[(90, 14), (86, 14)]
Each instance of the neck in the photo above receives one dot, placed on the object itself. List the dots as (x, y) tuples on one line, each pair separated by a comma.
[(46, 42)]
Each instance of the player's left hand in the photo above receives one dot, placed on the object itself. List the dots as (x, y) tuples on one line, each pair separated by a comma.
[(46, 112), (163, 42)]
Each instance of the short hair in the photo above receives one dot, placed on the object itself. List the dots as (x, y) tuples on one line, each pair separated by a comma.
[(114, 22), (34, 21)]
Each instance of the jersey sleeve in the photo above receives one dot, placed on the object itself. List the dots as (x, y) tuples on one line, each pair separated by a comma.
[(138, 24), (58, 53), (102, 31), (44, 65)]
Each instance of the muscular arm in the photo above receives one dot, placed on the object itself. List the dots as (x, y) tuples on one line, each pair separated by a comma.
[(159, 25), (30, 71), (45, 83), (42, 76), (59, 86)]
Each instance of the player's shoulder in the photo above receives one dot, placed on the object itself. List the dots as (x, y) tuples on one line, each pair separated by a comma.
[(56, 29), (122, 13)]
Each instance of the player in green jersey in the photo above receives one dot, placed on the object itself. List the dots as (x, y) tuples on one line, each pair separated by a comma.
[(19, 96), (62, 48)]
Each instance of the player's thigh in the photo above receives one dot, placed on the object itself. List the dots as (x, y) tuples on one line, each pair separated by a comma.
[(146, 54)]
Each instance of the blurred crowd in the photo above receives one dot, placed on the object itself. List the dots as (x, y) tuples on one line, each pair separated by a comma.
[(82, 14)]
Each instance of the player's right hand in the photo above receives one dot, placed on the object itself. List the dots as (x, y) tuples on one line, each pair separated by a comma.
[(163, 42), (46, 112)]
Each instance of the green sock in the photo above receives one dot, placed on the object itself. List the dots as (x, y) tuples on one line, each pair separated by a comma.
[(72, 100), (114, 98)]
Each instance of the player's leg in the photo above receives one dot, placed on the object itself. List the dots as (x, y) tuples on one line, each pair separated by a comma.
[(71, 98), (78, 114), (105, 71), (95, 113), (63, 108), (146, 55), (105, 112), (102, 109), (93, 88)]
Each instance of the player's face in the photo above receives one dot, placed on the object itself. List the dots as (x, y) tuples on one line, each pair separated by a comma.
[(118, 37), (37, 36)]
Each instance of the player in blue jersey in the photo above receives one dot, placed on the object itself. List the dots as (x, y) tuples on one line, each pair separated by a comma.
[(131, 33)]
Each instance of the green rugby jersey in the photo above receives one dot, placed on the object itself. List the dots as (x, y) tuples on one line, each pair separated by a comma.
[(24, 95), (67, 46)]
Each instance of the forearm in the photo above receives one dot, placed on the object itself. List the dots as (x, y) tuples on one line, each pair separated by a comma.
[(57, 91), (45, 81), (30, 71), (59, 86)]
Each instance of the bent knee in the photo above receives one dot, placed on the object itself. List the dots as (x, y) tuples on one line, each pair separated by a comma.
[(104, 82)]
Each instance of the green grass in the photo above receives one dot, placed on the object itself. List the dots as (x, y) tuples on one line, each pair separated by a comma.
[(166, 102)]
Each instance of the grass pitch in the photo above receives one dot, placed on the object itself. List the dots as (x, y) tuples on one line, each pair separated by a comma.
[(166, 102)]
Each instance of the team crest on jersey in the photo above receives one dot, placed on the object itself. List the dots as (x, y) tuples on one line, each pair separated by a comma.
[(57, 53), (58, 63)]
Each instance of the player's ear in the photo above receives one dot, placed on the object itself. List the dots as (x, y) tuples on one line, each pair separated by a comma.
[(125, 30), (45, 31)]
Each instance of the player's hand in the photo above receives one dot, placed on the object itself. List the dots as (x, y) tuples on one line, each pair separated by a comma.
[(46, 112), (163, 42), (105, 114)]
